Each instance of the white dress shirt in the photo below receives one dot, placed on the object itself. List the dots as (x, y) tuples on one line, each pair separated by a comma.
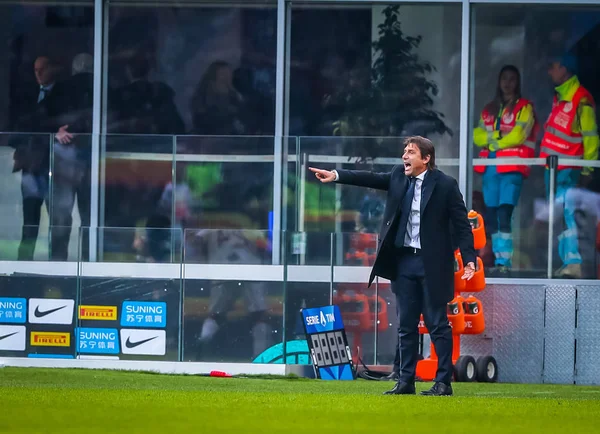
[(44, 91), (413, 227)]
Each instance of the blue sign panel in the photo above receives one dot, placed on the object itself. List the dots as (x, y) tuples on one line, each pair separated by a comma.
[(322, 319), (13, 310), (144, 314), (340, 372), (97, 340), (326, 338), (50, 356)]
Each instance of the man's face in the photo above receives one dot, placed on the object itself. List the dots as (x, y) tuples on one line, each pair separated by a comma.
[(414, 164), (43, 71), (557, 73)]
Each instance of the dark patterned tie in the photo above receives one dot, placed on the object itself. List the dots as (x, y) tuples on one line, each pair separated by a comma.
[(405, 213)]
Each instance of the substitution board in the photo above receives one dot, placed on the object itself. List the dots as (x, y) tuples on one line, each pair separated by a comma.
[(327, 342)]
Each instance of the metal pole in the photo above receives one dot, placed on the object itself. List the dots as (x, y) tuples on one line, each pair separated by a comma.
[(180, 337), (96, 131), (552, 162), (174, 200), (50, 194), (336, 210), (332, 237), (279, 133), (464, 130), (284, 261), (301, 208), (375, 319)]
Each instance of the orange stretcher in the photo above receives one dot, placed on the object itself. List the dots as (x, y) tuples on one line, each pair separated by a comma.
[(466, 316)]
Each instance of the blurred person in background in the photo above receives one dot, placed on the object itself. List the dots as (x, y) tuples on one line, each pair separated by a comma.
[(40, 109), (72, 157), (571, 131), (507, 129), (216, 104)]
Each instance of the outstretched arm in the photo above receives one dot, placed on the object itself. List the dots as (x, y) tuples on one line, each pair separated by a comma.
[(360, 178)]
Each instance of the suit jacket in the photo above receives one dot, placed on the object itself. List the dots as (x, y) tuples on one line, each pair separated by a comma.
[(443, 225), (38, 122), (76, 103)]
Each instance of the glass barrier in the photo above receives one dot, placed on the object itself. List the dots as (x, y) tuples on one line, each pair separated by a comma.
[(234, 298), (135, 172), (340, 208), (308, 284), (532, 233), (291, 183), (195, 181), (70, 196), (131, 311), (223, 182), (219, 298), (574, 207), (514, 207), (346, 77), (25, 198), (524, 33), (369, 313)]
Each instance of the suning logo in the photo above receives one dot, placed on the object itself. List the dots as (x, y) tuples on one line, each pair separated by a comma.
[(98, 341), (12, 310), (144, 314)]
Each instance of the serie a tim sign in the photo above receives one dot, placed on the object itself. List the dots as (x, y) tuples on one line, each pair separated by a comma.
[(327, 343)]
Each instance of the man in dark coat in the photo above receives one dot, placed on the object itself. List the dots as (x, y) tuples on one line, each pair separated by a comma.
[(424, 218), (37, 111)]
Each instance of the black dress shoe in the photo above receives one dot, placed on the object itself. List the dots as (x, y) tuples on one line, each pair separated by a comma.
[(401, 388), (394, 376), (438, 389)]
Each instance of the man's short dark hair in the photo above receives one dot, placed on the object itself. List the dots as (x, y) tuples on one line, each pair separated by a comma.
[(425, 147)]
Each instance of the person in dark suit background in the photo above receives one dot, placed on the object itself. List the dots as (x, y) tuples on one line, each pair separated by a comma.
[(72, 158), (39, 110), (425, 217)]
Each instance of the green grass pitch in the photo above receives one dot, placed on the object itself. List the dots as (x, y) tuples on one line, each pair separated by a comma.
[(88, 401)]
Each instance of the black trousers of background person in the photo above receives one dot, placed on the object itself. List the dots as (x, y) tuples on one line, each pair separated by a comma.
[(71, 181), (411, 297), (32, 211), (63, 200)]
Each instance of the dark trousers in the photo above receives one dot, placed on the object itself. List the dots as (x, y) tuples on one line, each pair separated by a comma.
[(411, 296), (34, 191), (499, 219), (63, 200), (32, 209), (396, 367), (71, 179)]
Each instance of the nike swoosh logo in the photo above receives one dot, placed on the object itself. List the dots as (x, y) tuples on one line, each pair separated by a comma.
[(8, 335), (130, 344), (40, 314)]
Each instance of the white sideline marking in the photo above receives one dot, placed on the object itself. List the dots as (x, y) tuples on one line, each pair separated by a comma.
[(154, 366)]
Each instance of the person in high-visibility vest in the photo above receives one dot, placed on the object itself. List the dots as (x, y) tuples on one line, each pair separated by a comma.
[(507, 129), (571, 131)]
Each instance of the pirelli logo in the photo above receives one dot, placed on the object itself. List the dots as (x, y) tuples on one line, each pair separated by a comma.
[(103, 313), (50, 339)]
